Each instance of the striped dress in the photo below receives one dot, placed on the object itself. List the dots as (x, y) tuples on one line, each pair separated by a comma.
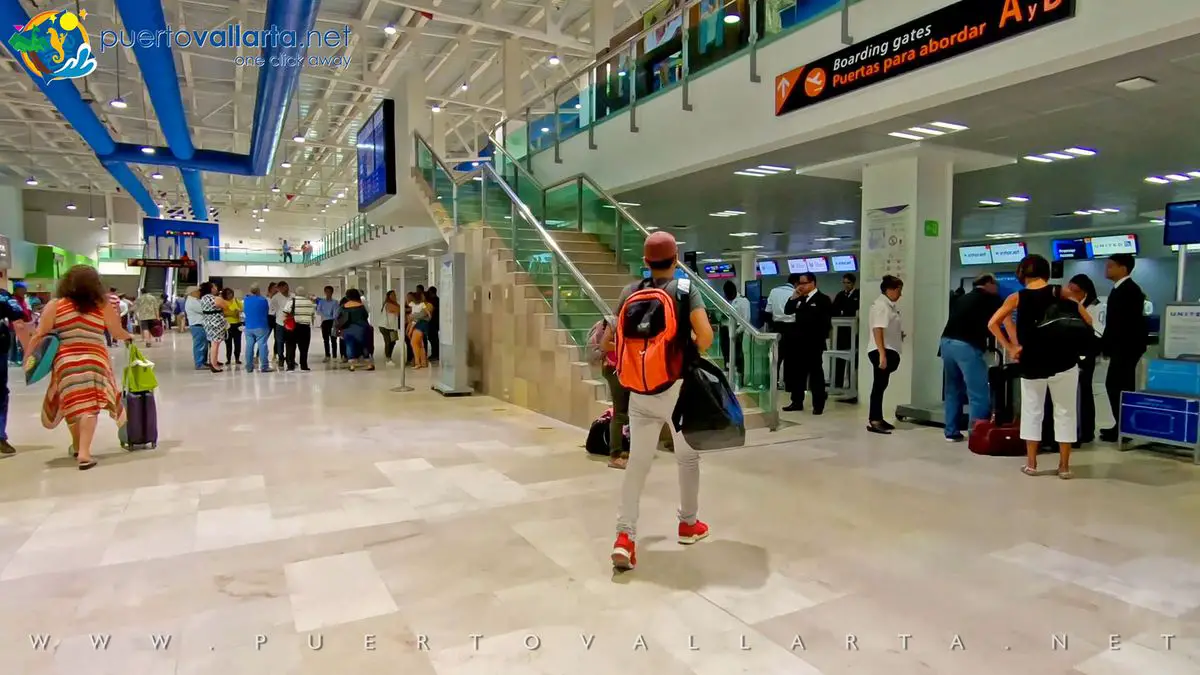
[(81, 381)]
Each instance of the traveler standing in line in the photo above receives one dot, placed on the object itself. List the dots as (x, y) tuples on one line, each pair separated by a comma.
[(279, 302), (354, 323), (302, 313), (13, 326), (389, 325), (1125, 334), (233, 316), (964, 341), (216, 329), (16, 352), (179, 312), (845, 305), (435, 322), (258, 330), (813, 311), (195, 319), (145, 310), (887, 338), (730, 332), (272, 319), (663, 356), (784, 324), (1046, 365), (1083, 290), (327, 310), (420, 326)]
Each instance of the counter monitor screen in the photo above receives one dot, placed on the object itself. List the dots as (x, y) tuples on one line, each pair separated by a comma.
[(1008, 253), (768, 268), (1182, 225), (975, 255), (845, 263), (817, 265), (797, 266), (719, 271), (1102, 247), (1069, 249)]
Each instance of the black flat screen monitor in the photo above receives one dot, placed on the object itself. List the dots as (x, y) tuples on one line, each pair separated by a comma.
[(720, 271), (1069, 249)]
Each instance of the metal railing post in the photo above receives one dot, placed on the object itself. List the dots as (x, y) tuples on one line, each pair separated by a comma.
[(579, 202), (632, 73), (772, 386), (687, 105), (454, 205), (554, 287), (591, 108), (847, 38), (754, 76), (483, 197), (617, 228), (557, 126), (528, 142)]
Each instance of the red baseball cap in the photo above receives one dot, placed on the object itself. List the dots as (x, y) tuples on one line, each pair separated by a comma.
[(660, 246)]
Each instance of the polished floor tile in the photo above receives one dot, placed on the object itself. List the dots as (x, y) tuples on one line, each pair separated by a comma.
[(305, 523)]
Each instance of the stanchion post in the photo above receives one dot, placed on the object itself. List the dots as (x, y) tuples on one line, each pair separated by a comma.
[(401, 294)]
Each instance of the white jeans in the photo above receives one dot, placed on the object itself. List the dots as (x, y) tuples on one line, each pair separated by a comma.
[(1064, 392), (647, 415)]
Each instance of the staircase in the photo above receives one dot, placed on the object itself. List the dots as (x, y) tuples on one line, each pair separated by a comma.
[(542, 271)]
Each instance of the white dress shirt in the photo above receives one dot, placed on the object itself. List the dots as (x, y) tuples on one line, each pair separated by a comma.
[(886, 315), (777, 298)]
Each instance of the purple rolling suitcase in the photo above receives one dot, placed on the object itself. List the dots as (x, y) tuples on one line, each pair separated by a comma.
[(141, 421)]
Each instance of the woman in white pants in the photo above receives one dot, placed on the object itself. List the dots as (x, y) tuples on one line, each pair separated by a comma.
[(1044, 365)]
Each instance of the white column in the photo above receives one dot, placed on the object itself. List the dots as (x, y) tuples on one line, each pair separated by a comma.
[(912, 243), (412, 115), (602, 24), (374, 299), (512, 62), (747, 270), (431, 271)]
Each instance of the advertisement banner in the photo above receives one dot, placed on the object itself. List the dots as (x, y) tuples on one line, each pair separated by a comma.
[(951, 31)]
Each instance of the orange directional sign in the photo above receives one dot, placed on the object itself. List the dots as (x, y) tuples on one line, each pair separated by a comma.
[(955, 29)]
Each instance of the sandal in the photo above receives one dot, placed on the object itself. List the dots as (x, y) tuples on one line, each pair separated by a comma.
[(1029, 471), (84, 466), (1065, 475), (618, 463)]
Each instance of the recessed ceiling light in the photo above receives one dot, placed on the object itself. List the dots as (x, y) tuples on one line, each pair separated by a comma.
[(1081, 152), (1020, 199), (390, 29), (1059, 155), (927, 131), (743, 234), (1136, 84), (1038, 158), (773, 169), (553, 60), (752, 247), (258, 229), (262, 220), (341, 194), (680, 243), (118, 103), (545, 130), (464, 86), (1003, 235), (578, 106), (752, 175), (31, 181), (824, 250), (949, 126), (906, 136), (1157, 180), (1177, 177), (990, 202)]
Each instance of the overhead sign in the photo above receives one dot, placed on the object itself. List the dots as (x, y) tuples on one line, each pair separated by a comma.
[(5, 253), (953, 30), (159, 262)]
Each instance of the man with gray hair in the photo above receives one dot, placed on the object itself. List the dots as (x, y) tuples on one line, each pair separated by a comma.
[(258, 330), (301, 311)]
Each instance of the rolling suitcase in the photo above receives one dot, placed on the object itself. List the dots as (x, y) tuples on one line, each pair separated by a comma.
[(1001, 435), (141, 421), (157, 329)]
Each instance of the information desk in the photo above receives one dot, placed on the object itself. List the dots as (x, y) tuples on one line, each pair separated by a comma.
[(1167, 419)]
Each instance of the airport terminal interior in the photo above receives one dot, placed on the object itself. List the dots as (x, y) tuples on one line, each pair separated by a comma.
[(226, 447)]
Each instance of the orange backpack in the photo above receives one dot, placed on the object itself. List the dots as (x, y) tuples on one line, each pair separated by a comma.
[(652, 337)]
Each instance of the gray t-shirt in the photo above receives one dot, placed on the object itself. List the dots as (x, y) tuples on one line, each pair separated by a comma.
[(695, 300)]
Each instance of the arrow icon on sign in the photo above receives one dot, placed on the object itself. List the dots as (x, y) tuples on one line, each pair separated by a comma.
[(784, 84)]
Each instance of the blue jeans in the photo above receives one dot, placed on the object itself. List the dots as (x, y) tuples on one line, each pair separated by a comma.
[(199, 346), (966, 376), (356, 336), (256, 345)]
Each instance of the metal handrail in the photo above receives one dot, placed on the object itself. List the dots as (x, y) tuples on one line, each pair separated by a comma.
[(723, 304), (486, 168)]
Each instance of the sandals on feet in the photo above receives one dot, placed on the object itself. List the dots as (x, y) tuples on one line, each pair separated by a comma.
[(1065, 475), (84, 466), (618, 462), (1029, 471)]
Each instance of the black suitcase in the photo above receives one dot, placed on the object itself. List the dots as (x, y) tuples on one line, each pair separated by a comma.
[(1002, 380), (141, 421)]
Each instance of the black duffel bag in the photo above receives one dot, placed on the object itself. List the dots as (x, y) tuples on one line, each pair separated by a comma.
[(708, 413)]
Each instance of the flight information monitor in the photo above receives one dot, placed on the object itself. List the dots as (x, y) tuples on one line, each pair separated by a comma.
[(797, 266), (1102, 247), (719, 271), (817, 265), (768, 268), (1182, 224), (377, 156), (1069, 249), (1008, 253), (974, 255), (845, 263)]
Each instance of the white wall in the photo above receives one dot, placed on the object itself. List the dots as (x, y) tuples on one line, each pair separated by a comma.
[(736, 118)]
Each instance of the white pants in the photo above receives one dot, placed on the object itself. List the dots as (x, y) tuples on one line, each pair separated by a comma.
[(1064, 392)]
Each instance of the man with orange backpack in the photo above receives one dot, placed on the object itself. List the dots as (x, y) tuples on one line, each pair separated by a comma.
[(661, 324)]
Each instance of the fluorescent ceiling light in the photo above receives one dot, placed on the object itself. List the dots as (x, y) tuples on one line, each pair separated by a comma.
[(752, 175), (927, 131), (545, 130), (680, 243), (478, 178), (275, 188), (824, 250), (1177, 177), (1194, 174), (436, 108), (743, 234), (629, 203), (949, 126), (1157, 180), (1096, 212), (910, 137), (990, 202), (341, 194), (266, 209), (258, 229), (734, 212), (836, 222), (285, 164), (1038, 158), (760, 172), (1059, 155), (830, 238), (1081, 152), (712, 260), (1136, 84), (1082, 213), (1157, 221), (298, 138), (1111, 210), (1003, 235), (91, 218), (1020, 199), (752, 247), (773, 169)]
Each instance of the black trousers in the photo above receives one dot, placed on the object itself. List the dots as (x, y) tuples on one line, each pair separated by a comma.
[(879, 381), (1122, 376), (272, 336), (297, 338), (329, 339), (233, 344), (389, 341), (432, 336), (805, 370)]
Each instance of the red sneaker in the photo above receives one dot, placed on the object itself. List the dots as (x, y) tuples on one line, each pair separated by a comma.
[(624, 554), (690, 534)]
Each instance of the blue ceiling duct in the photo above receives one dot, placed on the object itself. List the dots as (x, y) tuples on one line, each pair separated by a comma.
[(70, 104), (277, 85), (195, 188), (217, 161)]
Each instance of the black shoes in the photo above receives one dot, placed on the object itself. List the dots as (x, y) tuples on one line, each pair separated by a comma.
[(6, 448), (887, 425), (1109, 435), (956, 438), (794, 407)]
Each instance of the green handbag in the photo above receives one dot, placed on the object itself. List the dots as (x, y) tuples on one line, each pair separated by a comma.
[(139, 374)]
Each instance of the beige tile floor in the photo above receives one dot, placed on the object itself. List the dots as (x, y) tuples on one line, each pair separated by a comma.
[(320, 523)]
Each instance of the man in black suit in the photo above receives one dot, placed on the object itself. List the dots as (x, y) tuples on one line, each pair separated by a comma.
[(845, 305), (813, 311), (1125, 334)]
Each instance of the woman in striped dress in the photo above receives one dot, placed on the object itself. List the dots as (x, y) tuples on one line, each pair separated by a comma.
[(81, 382)]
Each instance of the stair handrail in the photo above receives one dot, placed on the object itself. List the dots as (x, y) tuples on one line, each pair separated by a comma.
[(723, 304), (486, 169)]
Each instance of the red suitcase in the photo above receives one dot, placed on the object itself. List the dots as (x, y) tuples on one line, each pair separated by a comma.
[(997, 440)]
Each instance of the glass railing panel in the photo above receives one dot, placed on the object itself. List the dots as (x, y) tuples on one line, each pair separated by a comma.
[(569, 113), (562, 207), (717, 29), (425, 163), (541, 124)]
